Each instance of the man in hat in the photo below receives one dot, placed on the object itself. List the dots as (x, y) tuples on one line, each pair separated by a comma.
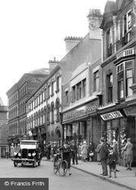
[(104, 156)]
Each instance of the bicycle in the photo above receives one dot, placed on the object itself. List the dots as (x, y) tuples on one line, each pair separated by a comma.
[(60, 166)]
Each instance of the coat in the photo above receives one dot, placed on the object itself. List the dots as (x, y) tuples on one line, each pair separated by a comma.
[(128, 152), (104, 152), (84, 149)]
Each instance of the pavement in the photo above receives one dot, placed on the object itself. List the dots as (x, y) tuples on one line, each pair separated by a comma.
[(125, 178)]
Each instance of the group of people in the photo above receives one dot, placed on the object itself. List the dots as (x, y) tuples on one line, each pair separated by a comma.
[(108, 155)]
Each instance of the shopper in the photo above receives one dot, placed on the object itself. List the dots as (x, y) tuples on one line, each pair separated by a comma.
[(129, 153)]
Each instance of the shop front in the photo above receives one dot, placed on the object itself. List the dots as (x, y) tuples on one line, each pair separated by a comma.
[(77, 122), (130, 112), (119, 125)]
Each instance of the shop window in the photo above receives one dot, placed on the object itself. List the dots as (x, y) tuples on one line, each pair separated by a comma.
[(109, 79), (96, 81)]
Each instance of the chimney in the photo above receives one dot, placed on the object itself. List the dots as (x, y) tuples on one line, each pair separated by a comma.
[(53, 64), (71, 42), (95, 19)]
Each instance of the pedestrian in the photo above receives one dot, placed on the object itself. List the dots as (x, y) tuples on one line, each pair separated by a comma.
[(98, 152), (84, 148), (66, 153), (48, 151), (74, 150), (129, 153), (115, 151), (90, 152), (104, 152)]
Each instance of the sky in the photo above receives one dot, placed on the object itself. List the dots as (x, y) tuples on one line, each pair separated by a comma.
[(32, 32)]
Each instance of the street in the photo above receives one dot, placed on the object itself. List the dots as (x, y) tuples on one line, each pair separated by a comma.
[(78, 181)]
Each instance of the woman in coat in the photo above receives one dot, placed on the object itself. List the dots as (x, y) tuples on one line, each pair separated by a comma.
[(129, 153), (84, 150)]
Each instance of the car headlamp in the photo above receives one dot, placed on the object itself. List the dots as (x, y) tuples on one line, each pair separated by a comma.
[(19, 154), (34, 153), (29, 154), (15, 153)]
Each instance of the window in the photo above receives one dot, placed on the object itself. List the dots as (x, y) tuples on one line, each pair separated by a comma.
[(48, 91), (57, 83), (79, 90), (52, 112), (84, 87), (73, 93), (96, 81), (52, 88), (109, 41), (66, 96), (127, 27), (129, 77), (125, 79), (110, 88)]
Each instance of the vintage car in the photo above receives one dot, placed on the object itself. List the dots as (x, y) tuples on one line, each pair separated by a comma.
[(28, 153)]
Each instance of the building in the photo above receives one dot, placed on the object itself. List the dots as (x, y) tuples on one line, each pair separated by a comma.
[(3, 130), (17, 97), (118, 110), (82, 86), (44, 108)]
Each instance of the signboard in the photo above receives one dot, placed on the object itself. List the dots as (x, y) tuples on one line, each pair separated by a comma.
[(81, 111), (111, 115)]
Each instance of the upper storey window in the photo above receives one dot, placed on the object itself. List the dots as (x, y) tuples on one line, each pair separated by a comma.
[(127, 28), (109, 42), (96, 81), (125, 79)]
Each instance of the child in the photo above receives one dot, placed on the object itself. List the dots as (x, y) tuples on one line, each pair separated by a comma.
[(112, 161)]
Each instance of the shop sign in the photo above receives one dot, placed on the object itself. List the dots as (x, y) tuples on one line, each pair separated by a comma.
[(81, 111), (111, 115)]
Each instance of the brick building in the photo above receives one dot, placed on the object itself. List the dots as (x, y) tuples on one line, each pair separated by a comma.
[(17, 97), (118, 110)]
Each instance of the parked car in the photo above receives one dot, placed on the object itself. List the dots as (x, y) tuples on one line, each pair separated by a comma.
[(28, 153)]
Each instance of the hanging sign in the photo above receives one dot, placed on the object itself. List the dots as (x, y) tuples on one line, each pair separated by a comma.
[(111, 115)]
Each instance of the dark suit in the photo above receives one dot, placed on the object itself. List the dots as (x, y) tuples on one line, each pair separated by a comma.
[(104, 156)]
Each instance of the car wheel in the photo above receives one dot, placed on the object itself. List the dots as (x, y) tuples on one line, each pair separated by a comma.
[(15, 164), (39, 163), (34, 164)]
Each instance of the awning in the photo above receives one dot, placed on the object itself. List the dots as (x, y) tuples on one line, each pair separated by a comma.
[(111, 115)]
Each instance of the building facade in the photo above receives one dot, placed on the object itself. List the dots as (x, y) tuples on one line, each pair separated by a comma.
[(17, 97), (4, 148), (82, 88), (118, 116), (44, 108)]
